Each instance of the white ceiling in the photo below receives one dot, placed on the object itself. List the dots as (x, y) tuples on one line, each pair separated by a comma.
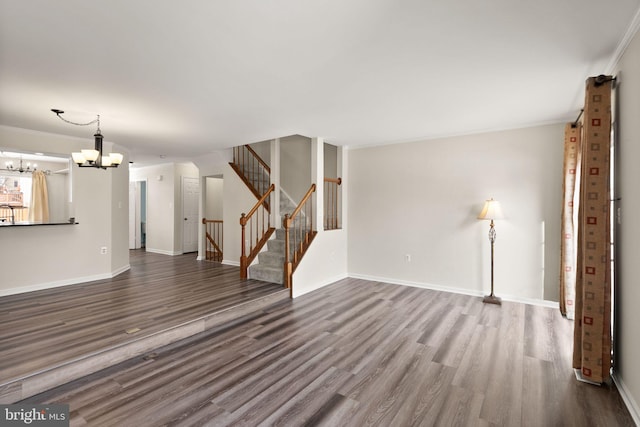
[(185, 78)]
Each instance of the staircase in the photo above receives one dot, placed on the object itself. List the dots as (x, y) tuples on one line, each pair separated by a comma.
[(262, 245), (269, 267)]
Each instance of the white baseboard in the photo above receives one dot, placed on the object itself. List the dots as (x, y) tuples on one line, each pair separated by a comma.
[(530, 301), (627, 398), (64, 282), (317, 286), (120, 270), (163, 252), (230, 262)]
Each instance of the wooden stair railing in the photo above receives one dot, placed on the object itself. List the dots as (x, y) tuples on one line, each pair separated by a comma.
[(259, 230), (253, 171), (298, 235), (214, 242), (331, 201)]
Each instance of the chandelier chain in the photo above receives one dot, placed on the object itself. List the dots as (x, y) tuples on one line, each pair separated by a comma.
[(97, 120)]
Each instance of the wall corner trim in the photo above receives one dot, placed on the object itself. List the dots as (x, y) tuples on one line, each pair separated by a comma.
[(627, 398)]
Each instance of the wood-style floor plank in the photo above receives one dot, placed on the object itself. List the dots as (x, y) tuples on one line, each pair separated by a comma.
[(47, 328), (354, 353)]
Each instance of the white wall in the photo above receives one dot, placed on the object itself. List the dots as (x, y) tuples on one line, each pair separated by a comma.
[(295, 166), (422, 199), (160, 206), (263, 150), (627, 293), (214, 198), (48, 256), (330, 161), (237, 200), (164, 204), (325, 261)]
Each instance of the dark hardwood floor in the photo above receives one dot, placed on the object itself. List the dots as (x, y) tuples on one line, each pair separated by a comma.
[(353, 353), (44, 329)]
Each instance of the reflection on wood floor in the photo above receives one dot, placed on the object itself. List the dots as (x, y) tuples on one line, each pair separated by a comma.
[(45, 330), (355, 353)]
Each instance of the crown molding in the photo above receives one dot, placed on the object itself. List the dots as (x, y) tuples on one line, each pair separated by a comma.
[(624, 43)]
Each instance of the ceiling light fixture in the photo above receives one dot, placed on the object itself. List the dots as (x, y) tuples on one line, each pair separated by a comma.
[(30, 168), (92, 158)]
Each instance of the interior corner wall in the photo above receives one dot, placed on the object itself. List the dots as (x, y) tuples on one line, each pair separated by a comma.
[(160, 206), (66, 254), (412, 212), (627, 286), (263, 150), (120, 215), (295, 166)]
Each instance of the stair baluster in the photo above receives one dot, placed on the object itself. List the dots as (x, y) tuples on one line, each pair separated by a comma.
[(214, 241), (260, 230), (331, 203), (255, 173), (298, 241)]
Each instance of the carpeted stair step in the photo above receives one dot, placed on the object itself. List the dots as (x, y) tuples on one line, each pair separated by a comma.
[(271, 259), (266, 273)]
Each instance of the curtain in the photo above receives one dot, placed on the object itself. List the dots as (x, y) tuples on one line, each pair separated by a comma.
[(570, 199), (39, 207), (592, 329)]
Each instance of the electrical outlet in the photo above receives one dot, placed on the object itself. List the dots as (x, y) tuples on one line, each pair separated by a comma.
[(103, 250), (407, 258)]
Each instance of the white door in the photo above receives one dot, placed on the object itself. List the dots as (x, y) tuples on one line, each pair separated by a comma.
[(190, 201)]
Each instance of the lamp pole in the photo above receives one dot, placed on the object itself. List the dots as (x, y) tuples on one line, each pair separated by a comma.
[(490, 211), (492, 299)]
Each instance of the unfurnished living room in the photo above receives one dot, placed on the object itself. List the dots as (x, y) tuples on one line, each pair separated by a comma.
[(336, 213)]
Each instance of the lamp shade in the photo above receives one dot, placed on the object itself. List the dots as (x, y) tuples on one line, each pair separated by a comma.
[(90, 155), (78, 158), (491, 210), (116, 158), (106, 161)]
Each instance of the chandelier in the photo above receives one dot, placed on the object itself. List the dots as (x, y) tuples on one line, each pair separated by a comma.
[(22, 169), (92, 158)]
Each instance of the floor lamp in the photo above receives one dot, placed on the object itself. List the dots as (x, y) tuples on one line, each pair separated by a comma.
[(490, 211)]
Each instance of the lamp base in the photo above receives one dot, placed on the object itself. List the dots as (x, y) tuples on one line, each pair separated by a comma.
[(492, 299)]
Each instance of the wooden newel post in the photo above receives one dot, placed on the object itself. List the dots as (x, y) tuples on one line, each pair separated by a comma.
[(287, 271), (243, 256)]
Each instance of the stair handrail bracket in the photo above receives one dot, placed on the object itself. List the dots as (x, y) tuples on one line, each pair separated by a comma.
[(258, 222), (299, 233)]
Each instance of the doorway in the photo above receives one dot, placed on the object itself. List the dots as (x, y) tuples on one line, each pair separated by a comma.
[(137, 214), (213, 214), (190, 207)]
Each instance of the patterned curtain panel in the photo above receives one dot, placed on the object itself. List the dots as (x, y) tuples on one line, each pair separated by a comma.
[(570, 199), (592, 329)]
